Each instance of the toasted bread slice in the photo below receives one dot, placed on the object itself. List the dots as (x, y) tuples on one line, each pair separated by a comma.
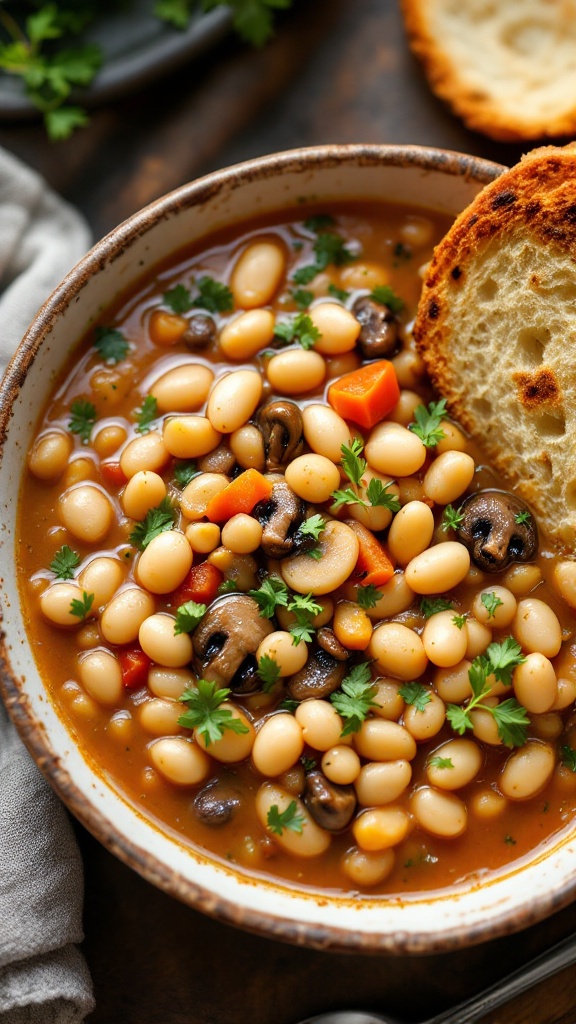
[(496, 326), (506, 67)]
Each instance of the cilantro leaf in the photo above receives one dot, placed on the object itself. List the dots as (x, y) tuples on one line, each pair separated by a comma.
[(188, 616), (146, 414), (206, 714), (428, 420), (512, 721), (386, 296), (304, 608), (269, 672), (379, 497), (288, 819), (329, 248), (178, 299), (155, 521), (415, 694), (184, 471), (568, 757), (64, 562), (352, 464), (432, 605), (110, 344), (503, 659), (368, 596), (312, 527), (459, 620), (355, 697), (270, 594), (338, 293), (82, 419), (491, 602), (213, 296), (299, 329), (440, 762), (302, 297), (81, 607)]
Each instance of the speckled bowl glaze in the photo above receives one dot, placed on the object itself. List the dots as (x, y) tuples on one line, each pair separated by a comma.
[(515, 898)]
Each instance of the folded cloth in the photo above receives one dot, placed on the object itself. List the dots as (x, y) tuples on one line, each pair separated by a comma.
[(43, 976)]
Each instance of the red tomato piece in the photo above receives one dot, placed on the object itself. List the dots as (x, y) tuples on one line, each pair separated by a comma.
[(134, 664), (201, 585)]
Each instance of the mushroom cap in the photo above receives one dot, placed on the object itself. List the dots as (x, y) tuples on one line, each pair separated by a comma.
[(282, 428), (378, 328), (497, 528), (230, 631), (332, 806)]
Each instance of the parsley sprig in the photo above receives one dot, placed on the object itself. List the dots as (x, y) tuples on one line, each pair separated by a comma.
[(386, 296), (355, 697), (289, 818), (416, 695), (299, 330), (188, 616), (146, 414), (205, 713), (427, 423), (368, 596), (329, 249), (272, 593), (82, 419), (512, 720), (64, 562), (354, 467), (155, 521), (81, 606), (110, 344), (269, 672)]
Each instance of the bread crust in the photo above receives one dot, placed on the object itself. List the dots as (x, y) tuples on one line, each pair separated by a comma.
[(487, 80), (496, 327)]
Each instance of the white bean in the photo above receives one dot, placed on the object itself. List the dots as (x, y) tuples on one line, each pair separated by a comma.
[(233, 399), (310, 841), (164, 563), (278, 744), (536, 627), (441, 814), (124, 614), (527, 770), (438, 569)]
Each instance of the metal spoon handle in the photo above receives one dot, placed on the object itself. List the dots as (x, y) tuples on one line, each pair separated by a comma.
[(541, 967)]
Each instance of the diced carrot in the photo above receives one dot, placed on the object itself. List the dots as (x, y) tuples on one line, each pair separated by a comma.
[(374, 564), (134, 664), (366, 395), (201, 585), (241, 495), (113, 474)]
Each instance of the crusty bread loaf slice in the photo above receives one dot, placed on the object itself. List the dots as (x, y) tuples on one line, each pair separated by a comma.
[(506, 67), (496, 326)]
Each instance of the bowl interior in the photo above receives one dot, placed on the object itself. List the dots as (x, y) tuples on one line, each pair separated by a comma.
[(435, 180)]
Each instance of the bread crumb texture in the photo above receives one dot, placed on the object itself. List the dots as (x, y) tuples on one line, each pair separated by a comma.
[(506, 67), (496, 327)]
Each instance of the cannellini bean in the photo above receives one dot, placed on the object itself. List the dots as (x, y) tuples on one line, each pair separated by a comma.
[(257, 274), (159, 642), (527, 770), (339, 553), (453, 441), (296, 371), (393, 449), (443, 640), (380, 827), (366, 868), (389, 703), (547, 726), (101, 577), (441, 814), (233, 399), (341, 764), (409, 368), (108, 439), (398, 651), (101, 676), (320, 722), (145, 452), (78, 470), (311, 841), (56, 603), (534, 683), (416, 232), (87, 512), (403, 411), (375, 517), (180, 760), (422, 724), (312, 477), (382, 782), (145, 490), (484, 725), (521, 579), (380, 740), (478, 637), (124, 614), (453, 684), (246, 334), (169, 682), (325, 431), (486, 804), (454, 764), (564, 579), (411, 531), (494, 606), (448, 476), (199, 491), (203, 537), (184, 388), (189, 437), (395, 597), (438, 569), (536, 627), (49, 456), (242, 534), (364, 274), (232, 747), (247, 446), (164, 563), (338, 328), (278, 744), (566, 694), (280, 646), (160, 717)]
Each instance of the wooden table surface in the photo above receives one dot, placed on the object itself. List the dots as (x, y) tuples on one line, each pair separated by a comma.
[(336, 72)]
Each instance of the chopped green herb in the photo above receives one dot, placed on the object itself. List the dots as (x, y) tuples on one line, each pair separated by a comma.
[(178, 299), (80, 608), (510, 716), (188, 616), (319, 222), (64, 562), (269, 672), (522, 517), (110, 344), (82, 419), (451, 518), (338, 293), (304, 608), (386, 296), (352, 464), (227, 587), (313, 527), (355, 697), (288, 704), (329, 249), (509, 840), (491, 602), (287, 819), (184, 472), (299, 329), (568, 757), (503, 659), (432, 605), (459, 620), (368, 596), (415, 694), (428, 420), (302, 297), (206, 714), (440, 762), (146, 414), (213, 296), (270, 594), (251, 19), (379, 497), (401, 252), (156, 521)]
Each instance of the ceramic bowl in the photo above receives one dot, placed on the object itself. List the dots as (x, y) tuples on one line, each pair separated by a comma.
[(513, 899)]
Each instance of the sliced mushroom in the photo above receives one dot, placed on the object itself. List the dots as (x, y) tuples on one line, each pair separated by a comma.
[(497, 528), (329, 642), (379, 328), (231, 630), (321, 675), (219, 460), (282, 429), (281, 516), (217, 803), (331, 806), (201, 331)]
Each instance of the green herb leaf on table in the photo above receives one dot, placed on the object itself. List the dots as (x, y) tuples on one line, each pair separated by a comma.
[(355, 697), (205, 713), (427, 422), (64, 563), (188, 616), (82, 419), (289, 819), (110, 344), (156, 521)]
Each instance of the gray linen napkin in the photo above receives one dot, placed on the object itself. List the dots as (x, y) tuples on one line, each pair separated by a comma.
[(43, 976)]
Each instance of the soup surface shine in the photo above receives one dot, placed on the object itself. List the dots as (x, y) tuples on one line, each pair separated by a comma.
[(276, 594)]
